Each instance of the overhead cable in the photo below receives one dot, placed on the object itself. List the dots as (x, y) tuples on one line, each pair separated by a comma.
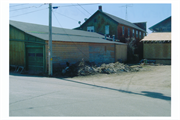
[(16, 5), (84, 9), (27, 7), (28, 12), (69, 37), (66, 16)]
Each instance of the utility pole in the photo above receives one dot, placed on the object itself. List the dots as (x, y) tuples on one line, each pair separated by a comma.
[(50, 41)]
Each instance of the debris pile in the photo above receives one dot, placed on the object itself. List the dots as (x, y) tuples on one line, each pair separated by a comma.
[(84, 68)]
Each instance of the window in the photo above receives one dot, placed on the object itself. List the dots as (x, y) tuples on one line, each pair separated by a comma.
[(107, 29), (122, 30), (140, 35), (39, 54), (90, 29), (143, 34), (128, 32), (133, 32), (136, 33), (31, 54)]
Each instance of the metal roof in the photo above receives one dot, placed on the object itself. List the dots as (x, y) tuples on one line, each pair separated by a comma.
[(121, 21), (161, 22), (158, 36), (60, 34)]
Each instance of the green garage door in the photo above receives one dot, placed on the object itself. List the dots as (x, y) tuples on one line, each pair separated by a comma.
[(35, 59)]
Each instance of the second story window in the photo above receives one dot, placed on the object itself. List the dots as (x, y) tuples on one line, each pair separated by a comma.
[(132, 32), (136, 34), (139, 35), (90, 29), (128, 31), (122, 30), (107, 29)]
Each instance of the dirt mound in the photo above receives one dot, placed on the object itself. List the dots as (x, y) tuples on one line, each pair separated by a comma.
[(84, 68)]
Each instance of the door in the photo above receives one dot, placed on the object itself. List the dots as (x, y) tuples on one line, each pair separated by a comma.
[(35, 59)]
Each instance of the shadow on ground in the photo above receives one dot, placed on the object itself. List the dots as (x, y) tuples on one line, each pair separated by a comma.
[(143, 93)]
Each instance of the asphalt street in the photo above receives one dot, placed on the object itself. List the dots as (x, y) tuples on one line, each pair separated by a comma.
[(44, 96)]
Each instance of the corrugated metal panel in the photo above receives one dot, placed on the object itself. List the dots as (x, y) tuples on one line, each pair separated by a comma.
[(121, 52), (157, 50), (159, 36), (16, 53), (17, 48)]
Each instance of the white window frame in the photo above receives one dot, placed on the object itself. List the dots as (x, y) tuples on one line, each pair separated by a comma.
[(107, 29), (90, 28)]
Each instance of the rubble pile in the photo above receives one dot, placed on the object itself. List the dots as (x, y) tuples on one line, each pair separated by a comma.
[(84, 68)]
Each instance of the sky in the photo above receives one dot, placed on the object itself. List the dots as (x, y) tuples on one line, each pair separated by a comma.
[(68, 15)]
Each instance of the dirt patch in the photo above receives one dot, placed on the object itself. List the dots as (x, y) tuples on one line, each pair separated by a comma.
[(149, 77)]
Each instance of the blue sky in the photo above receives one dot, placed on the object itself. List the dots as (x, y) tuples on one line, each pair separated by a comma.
[(68, 15)]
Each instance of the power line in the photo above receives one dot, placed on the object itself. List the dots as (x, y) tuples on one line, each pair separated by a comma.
[(80, 10), (72, 41), (16, 5), (77, 5), (66, 16), (68, 36), (28, 12), (27, 7), (84, 9)]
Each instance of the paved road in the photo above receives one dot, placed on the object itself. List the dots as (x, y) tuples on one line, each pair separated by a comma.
[(43, 96)]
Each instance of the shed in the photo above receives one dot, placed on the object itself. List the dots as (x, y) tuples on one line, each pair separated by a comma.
[(29, 47), (157, 46)]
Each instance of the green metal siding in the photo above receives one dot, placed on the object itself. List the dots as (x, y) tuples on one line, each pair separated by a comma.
[(19, 41), (16, 48)]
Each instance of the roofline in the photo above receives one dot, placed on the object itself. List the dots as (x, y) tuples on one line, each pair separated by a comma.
[(29, 33), (140, 22), (159, 23), (25, 31), (108, 17), (88, 19), (124, 20)]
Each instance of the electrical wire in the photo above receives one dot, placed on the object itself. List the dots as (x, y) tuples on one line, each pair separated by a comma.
[(28, 12), (66, 16), (77, 5), (68, 36), (72, 41), (80, 10), (27, 7), (16, 5), (84, 9)]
